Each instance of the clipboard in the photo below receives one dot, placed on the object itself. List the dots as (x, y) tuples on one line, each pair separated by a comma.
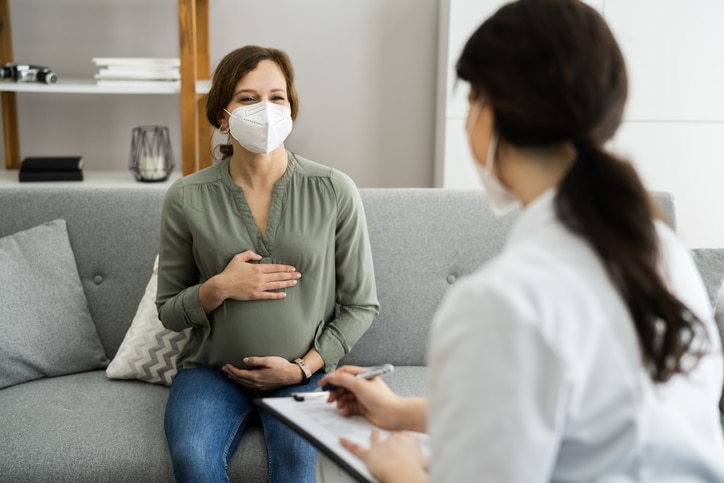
[(320, 423)]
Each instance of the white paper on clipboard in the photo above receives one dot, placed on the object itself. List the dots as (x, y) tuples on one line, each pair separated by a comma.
[(322, 425)]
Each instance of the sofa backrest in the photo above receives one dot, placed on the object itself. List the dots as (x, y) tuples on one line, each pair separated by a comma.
[(114, 235), (423, 240)]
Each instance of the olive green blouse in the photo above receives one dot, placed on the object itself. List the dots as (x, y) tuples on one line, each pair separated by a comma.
[(316, 224)]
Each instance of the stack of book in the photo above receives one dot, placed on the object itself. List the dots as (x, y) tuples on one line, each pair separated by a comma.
[(136, 70), (51, 168)]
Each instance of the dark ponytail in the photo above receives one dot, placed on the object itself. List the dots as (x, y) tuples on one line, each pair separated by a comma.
[(553, 73), (602, 199)]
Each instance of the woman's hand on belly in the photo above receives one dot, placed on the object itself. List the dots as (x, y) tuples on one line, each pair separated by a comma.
[(268, 373), (242, 280)]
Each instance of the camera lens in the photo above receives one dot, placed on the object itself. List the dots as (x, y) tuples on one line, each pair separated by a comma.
[(47, 76)]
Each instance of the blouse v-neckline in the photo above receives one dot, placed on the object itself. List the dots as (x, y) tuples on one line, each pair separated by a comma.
[(263, 244)]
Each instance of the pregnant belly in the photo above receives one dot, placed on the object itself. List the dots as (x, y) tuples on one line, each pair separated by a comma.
[(233, 339)]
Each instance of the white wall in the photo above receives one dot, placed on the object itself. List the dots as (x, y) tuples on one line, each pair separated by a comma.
[(674, 124), (673, 129), (365, 74)]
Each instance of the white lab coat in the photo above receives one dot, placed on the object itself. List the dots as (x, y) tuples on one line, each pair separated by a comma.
[(535, 372)]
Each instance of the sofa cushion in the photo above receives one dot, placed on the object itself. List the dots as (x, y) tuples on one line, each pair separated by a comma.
[(86, 428), (149, 350), (719, 311), (710, 262), (719, 316), (44, 318)]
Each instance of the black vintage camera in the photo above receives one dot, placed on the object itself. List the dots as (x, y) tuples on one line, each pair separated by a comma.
[(28, 73)]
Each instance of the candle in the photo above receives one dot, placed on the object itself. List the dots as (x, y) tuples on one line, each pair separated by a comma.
[(152, 167)]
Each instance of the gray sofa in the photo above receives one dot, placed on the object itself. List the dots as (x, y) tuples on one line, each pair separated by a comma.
[(85, 427)]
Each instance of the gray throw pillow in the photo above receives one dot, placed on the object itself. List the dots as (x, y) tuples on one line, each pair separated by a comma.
[(46, 327)]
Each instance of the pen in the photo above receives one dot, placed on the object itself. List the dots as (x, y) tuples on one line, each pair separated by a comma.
[(369, 374)]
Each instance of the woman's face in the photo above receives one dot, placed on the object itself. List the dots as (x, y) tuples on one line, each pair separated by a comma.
[(265, 83), (479, 127)]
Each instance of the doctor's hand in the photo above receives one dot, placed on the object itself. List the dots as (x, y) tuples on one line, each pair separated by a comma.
[(395, 459), (267, 373), (371, 398)]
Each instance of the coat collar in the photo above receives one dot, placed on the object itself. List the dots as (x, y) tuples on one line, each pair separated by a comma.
[(539, 213)]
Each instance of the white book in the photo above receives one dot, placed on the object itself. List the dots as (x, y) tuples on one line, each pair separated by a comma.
[(163, 85), (138, 68), (138, 61), (119, 74)]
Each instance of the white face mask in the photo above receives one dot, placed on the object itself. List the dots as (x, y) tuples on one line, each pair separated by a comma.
[(260, 127), (501, 199)]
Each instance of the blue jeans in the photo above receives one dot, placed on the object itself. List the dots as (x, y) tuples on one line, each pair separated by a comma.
[(206, 415)]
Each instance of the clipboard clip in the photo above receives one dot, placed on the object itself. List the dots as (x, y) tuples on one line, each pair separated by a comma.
[(316, 394)]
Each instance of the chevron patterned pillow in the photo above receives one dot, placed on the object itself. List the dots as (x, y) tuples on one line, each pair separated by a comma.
[(149, 350)]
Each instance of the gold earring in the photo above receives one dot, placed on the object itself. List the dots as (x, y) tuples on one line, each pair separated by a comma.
[(224, 130)]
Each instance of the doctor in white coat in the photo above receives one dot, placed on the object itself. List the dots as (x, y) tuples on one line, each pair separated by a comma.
[(586, 351)]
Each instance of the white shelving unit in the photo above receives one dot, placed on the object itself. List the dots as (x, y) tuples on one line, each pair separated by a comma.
[(193, 42)]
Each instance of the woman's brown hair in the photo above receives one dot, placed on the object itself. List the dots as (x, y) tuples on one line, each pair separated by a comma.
[(232, 68), (553, 72)]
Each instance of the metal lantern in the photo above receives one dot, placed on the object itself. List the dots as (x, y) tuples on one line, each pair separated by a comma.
[(151, 155)]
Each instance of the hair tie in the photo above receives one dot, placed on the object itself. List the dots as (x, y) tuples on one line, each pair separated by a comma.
[(584, 144)]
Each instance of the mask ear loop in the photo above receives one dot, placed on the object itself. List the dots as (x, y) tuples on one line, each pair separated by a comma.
[(493, 146), (478, 108), (226, 130), (492, 152)]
